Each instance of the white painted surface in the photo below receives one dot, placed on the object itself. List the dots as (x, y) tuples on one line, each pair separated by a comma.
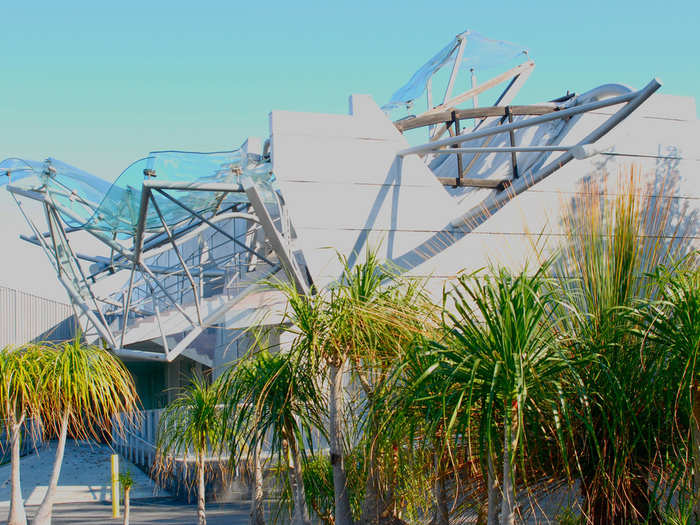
[(345, 190)]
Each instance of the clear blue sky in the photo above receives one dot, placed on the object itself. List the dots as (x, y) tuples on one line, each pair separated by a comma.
[(100, 84)]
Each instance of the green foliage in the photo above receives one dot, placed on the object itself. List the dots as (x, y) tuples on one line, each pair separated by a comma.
[(191, 425), (568, 516), (627, 415), (126, 481), (19, 376), (270, 394), (584, 368), (85, 382), (318, 482)]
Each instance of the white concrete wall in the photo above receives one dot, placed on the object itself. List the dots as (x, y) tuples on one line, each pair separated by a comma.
[(345, 190)]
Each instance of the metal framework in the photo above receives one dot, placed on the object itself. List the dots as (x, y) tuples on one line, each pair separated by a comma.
[(182, 279)]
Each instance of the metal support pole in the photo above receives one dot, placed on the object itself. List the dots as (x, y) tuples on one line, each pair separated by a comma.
[(475, 99), (511, 135), (429, 94), (138, 243), (455, 122), (455, 68)]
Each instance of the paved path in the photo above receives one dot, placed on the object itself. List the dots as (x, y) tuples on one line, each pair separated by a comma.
[(85, 476), (144, 512)]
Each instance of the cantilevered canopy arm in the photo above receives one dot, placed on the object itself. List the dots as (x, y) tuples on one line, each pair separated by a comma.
[(640, 95), (478, 214)]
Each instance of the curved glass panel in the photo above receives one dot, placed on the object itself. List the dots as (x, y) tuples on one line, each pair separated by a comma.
[(479, 52), (86, 201)]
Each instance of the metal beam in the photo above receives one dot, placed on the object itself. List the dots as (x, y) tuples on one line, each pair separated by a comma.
[(645, 92), (179, 257), (483, 87), (487, 208), (138, 243), (502, 149), (274, 236), (455, 69), (214, 226), (194, 186), (473, 113)]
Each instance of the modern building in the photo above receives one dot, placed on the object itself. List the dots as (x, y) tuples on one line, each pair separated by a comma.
[(166, 265)]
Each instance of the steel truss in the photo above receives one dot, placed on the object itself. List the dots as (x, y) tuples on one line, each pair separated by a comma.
[(215, 257)]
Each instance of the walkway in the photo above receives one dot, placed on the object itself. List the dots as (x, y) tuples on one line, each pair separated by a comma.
[(145, 512), (85, 476)]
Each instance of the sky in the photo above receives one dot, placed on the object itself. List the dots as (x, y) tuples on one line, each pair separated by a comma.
[(99, 84)]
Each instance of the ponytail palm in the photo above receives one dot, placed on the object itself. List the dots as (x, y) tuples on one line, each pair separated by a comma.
[(504, 359), (673, 323), (19, 374), (611, 251), (82, 387), (192, 424), (276, 395), (419, 394), (359, 325)]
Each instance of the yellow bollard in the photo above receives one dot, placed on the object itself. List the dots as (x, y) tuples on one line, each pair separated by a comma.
[(115, 486)]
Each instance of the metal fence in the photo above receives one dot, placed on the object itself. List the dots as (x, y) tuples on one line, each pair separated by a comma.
[(25, 318)]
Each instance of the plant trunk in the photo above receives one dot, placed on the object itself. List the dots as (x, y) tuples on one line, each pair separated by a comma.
[(492, 481), (301, 510), (695, 428), (127, 504), (18, 515), (374, 504), (442, 511), (343, 515), (43, 516), (371, 505), (257, 511), (508, 501), (201, 488)]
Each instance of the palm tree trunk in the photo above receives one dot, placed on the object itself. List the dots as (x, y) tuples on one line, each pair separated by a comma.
[(493, 493), (257, 511), (201, 487), (301, 510), (372, 507), (343, 515), (127, 504), (43, 516), (17, 512), (442, 511), (508, 502)]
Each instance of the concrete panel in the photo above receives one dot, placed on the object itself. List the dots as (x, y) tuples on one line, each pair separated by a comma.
[(345, 190)]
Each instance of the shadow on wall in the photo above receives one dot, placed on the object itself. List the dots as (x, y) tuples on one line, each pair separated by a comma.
[(670, 219), (660, 184)]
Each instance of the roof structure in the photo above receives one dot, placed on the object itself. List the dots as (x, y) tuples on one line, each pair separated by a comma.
[(185, 239)]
